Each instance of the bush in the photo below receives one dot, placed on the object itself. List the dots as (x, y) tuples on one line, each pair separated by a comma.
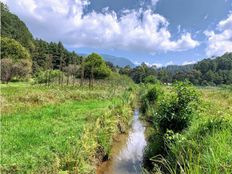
[(22, 69), (47, 76), (149, 98), (18, 70), (211, 125), (175, 113), (150, 79), (6, 70)]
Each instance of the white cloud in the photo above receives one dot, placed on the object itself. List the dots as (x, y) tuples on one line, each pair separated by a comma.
[(154, 2), (189, 62), (169, 63), (136, 30), (220, 41), (158, 65)]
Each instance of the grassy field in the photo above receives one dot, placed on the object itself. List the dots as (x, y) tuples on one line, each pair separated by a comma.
[(60, 129), (205, 145)]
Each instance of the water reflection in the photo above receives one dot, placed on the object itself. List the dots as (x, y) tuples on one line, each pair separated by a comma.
[(129, 159)]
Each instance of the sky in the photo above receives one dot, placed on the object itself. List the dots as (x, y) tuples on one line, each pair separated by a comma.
[(157, 32)]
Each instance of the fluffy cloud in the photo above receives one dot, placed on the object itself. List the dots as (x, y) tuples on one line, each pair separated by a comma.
[(189, 62), (136, 30), (154, 2), (220, 41)]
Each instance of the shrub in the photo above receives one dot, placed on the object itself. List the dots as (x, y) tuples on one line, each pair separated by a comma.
[(149, 98), (6, 70), (22, 69), (150, 79), (18, 70), (212, 125), (175, 113), (47, 76)]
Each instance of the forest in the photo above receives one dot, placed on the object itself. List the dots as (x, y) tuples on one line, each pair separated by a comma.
[(62, 112)]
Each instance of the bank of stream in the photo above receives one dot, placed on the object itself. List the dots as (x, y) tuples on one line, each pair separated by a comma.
[(127, 151)]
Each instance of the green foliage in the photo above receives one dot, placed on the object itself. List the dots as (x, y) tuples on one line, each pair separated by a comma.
[(19, 70), (64, 129), (52, 56), (150, 79), (149, 98), (10, 48), (22, 69), (12, 27), (175, 112), (15, 60), (47, 76), (6, 70), (139, 73), (202, 148), (95, 65), (208, 72)]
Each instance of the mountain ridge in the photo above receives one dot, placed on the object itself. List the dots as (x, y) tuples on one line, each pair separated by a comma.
[(116, 61)]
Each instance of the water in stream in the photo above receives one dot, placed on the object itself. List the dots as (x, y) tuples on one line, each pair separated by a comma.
[(128, 159)]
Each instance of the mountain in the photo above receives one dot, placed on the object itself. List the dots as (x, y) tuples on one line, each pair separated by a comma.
[(117, 61)]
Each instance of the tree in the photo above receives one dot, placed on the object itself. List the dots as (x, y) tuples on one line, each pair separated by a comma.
[(12, 27), (6, 70), (16, 60), (95, 68), (71, 70), (150, 79), (82, 70), (22, 69), (10, 48)]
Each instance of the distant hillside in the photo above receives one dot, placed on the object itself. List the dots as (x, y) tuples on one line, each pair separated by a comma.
[(178, 68), (117, 61), (211, 71), (12, 27)]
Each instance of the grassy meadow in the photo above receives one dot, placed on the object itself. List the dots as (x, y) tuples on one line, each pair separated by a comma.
[(70, 129), (61, 129), (204, 146)]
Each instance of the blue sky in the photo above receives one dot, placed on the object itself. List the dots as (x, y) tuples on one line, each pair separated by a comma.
[(160, 32)]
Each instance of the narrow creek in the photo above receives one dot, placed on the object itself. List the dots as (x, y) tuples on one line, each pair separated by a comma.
[(127, 152)]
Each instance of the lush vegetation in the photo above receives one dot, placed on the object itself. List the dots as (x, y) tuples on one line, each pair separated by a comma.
[(49, 129), (208, 72), (13, 27), (191, 129), (60, 111)]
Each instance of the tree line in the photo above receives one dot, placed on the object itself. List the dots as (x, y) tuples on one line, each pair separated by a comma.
[(213, 71), (23, 57)]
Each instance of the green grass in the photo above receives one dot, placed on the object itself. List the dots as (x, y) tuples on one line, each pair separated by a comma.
[(210, 134), (18, 96), (40, 133), (205, 146), (64, 134)]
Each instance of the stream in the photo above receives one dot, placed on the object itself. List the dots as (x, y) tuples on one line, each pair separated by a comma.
[(127, 153)]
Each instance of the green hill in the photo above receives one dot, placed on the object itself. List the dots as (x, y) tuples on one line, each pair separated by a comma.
[(12, 27)]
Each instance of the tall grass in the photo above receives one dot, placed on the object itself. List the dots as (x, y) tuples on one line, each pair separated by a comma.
[(204, 146), (70, 134)]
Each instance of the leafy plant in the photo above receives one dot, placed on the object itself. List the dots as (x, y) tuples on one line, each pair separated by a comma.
[(175, 112)]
